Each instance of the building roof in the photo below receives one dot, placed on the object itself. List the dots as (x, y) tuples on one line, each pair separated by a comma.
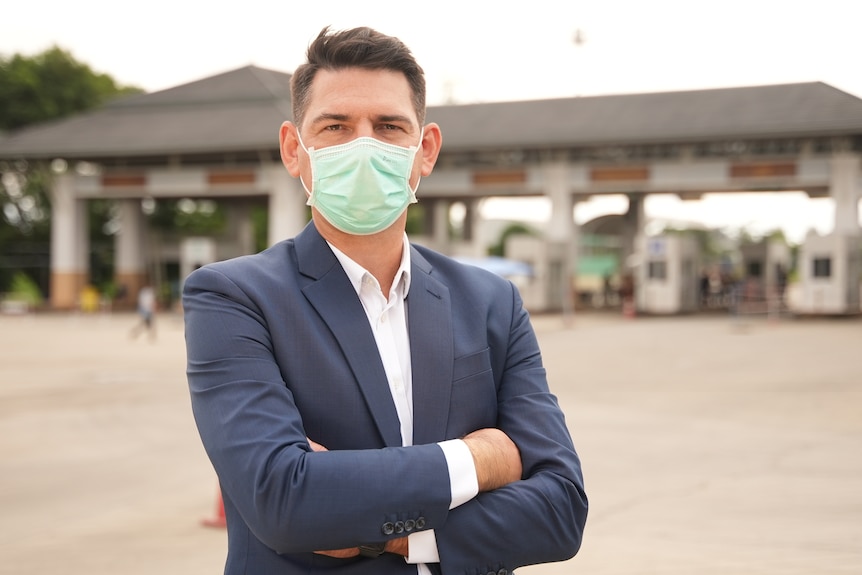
[(241, 111), (785, 110)]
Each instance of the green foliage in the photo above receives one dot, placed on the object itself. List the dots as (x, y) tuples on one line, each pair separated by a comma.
[(45, 87), (25, 201), (24, 289), (260, 225), (193, 217), (415, 219), (499, 249), (778, 235), (51, 85)]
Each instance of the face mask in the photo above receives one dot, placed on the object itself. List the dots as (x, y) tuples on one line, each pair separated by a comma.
[(361, 187)]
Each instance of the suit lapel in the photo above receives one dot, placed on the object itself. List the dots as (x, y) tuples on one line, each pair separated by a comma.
[(334, 298), (429, 317)]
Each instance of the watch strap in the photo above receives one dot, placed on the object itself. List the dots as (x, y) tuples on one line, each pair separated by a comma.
[(372, 550)]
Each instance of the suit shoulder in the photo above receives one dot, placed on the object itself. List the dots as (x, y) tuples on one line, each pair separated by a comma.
[(273, 260)]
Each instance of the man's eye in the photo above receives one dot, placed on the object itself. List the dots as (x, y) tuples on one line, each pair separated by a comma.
[(390, 127), (333, 128)]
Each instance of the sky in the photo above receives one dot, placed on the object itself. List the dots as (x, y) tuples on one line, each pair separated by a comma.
[(488, 51)]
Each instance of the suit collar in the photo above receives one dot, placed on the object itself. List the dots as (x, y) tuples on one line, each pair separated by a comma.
[(430, 328), (334, 299), (429, 316), (314, 258)]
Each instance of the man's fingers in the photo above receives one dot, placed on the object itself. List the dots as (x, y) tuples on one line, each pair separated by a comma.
[(315, 446)]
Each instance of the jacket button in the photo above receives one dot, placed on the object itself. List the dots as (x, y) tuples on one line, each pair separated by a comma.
[(399, 527), (502, 572), (420, 523), (388, 528), (409, 525)]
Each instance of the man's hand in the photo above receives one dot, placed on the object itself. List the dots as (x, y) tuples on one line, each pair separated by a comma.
[(497, 458), (341, 553), (315, 446)]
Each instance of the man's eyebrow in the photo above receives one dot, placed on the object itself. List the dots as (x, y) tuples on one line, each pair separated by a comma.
[(329, 117), (386, 118), (394, 118)]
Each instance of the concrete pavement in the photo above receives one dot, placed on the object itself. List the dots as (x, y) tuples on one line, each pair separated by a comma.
[(709, 446)]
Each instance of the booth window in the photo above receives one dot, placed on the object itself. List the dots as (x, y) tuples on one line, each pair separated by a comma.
[(657, 270), (822, 267), (755, 269)]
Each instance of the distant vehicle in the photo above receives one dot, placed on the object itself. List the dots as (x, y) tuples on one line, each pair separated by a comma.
[(509, 269)]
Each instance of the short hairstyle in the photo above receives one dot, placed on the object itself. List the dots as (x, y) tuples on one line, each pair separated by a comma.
[(356, 48)]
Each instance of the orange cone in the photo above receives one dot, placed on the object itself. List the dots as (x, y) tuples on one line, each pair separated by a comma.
[(219, 519)]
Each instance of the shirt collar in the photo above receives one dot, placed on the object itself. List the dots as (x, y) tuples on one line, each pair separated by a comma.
[(356, 273)]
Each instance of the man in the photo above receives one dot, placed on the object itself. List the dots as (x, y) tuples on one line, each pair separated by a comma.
[(146, 312), (371, 406)]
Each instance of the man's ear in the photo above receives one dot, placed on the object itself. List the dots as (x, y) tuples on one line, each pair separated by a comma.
[(432, 140), (289, 146)]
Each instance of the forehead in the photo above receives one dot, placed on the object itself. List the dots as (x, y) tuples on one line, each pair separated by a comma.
[(359, 92)]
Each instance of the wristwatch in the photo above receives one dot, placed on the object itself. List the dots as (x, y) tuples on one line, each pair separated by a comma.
[(372, 550)]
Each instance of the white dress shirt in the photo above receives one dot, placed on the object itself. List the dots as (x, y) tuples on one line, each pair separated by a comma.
[(388, 320)]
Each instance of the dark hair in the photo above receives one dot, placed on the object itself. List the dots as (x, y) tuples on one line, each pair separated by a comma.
[(356, 48)]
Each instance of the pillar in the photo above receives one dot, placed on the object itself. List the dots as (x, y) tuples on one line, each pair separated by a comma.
[(472, 222), (633, 234), (70, 246), (440, 229), (130, 262), (633, 226), (560, 239), (287, 211), (241, 227), (844, 189)]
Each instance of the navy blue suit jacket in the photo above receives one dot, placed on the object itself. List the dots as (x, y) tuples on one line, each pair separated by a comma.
[(279, 349)]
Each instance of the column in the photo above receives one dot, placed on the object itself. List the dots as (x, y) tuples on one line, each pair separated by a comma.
[(472, 223), (287, 210), (633, 230), (240, 228), (635, 220), (844, 189), (560, 239), (70, 246), (440, 231), (130, 261)]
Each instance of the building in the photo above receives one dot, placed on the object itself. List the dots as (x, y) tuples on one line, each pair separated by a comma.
[(217, 139)]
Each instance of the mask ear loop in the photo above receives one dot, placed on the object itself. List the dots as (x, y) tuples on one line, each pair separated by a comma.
[(413, 190), (310, 193)]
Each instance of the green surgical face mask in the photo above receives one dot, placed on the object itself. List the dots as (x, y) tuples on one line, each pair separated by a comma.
[(361, 187)]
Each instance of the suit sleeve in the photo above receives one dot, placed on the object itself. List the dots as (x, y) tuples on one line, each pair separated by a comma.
[(292, 499), (540, 518)]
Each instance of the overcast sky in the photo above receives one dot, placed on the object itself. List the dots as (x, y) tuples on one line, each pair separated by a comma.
[(471, 51)]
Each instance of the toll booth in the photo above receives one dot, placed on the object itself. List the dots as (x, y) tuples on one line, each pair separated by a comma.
[(536, 293), (830, 268), (666, 279), (194, 253), (765, 266)]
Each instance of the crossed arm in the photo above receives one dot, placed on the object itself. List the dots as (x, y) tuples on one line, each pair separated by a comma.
[(497, 462)]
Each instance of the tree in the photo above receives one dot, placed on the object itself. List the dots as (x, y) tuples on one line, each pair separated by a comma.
[(499, 249), (48, 86)]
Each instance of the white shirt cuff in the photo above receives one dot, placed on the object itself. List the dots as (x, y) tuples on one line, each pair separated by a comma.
[(422, 547), (464, 486), (462, 471)]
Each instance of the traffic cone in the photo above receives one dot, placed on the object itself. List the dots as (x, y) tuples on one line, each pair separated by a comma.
[(219, 519), (629, 308)]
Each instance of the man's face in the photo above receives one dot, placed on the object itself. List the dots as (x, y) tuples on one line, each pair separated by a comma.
[(354, 102)]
